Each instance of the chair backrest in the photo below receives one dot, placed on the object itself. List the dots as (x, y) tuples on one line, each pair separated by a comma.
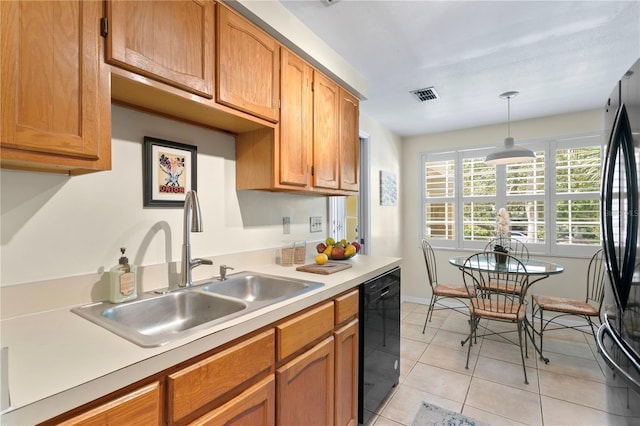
[(480, 269), (596, 278), (516, 247), (430, 261)]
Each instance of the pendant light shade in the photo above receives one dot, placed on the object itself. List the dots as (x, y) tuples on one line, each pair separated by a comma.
[(509, 154)]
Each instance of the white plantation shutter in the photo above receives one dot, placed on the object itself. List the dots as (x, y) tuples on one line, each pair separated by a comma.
[(439, 198), (577, 192), (478, 199), (553, 202), (524, 196)]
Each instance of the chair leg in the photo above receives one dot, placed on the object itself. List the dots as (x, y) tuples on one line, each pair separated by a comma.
[(541, 310), (593, 331), (472, 329), (524, 368), (473, 336), (432, 303)]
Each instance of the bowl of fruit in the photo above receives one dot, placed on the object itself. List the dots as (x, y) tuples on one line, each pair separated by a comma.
[(337, 250)]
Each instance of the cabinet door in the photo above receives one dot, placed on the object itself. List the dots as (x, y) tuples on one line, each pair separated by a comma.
[(141, 407), (296, 120), (55, 99), (346, 397), (349, 141), (248, 65), (254, 407), (169, 41), (326, 95), (193, 387), (304, 386)]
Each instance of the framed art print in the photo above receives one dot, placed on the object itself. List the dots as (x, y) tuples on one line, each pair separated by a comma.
[(169, 172), (388, 188)]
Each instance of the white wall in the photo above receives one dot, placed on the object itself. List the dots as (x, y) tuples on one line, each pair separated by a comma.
[(57, 226), (385, 154), (287, 28), (571, 282)]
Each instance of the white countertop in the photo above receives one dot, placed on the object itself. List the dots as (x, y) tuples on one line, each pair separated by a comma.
[(58, 360)]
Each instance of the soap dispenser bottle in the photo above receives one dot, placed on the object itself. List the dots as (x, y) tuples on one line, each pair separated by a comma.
[(124, 282)]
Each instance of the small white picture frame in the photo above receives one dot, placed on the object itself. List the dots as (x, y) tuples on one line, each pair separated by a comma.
[(388, 188)]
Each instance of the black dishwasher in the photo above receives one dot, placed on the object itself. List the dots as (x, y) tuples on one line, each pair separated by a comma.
[(379, 341)]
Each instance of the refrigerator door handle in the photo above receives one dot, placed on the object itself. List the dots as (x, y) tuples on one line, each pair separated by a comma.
[(620, 151), (605, 328)]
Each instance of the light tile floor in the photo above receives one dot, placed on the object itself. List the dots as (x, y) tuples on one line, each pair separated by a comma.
[(570, 390)]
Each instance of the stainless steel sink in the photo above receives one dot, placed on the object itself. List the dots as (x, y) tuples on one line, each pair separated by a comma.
[(154, 320), (252, 287)]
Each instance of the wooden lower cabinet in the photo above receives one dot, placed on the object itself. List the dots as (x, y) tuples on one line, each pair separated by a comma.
[(198, 386), (305, 387), (346, 374), (140, 407), (254, 407), (302, 370)]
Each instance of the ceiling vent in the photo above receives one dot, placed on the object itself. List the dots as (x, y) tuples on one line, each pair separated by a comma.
[(329, 2), (424, 95)]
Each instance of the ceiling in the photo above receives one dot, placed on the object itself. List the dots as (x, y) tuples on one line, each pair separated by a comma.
[(562, 56)]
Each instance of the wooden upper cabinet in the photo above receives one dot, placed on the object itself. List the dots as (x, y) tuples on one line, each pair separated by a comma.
[(168, 41), (55, 101), (326, 129), (349, 142), (296, 120), (248, 66)]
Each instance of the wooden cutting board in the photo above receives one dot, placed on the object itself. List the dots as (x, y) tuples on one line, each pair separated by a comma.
[(326, 269)]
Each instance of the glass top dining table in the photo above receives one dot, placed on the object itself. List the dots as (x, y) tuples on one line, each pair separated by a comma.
[(536, 269), (532, 266)]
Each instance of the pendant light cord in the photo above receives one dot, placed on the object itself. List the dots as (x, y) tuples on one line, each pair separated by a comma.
[(509, 117)]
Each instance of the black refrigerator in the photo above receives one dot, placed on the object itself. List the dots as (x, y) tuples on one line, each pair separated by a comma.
[(619, 336)]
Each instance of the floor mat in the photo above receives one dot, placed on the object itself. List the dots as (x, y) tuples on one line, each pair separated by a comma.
[(431, 415)]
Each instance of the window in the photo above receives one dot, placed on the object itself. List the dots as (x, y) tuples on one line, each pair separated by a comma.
[(439, 193), (553, 202)]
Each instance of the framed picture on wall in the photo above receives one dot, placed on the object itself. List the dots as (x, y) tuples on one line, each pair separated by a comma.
[(388, 188), (169, 172)]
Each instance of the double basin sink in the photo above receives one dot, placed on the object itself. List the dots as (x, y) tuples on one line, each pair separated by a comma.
[(156, 319)]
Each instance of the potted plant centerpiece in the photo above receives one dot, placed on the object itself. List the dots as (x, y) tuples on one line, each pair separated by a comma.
[(501, 253), (502, 231)]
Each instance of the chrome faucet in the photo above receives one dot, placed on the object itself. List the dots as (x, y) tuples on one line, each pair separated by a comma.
[(191, 211), (223, 272)]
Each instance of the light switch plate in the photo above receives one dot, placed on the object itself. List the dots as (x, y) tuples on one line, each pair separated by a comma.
[(315, 224)]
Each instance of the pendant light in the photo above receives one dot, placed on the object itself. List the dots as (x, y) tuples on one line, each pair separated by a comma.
[(509, 154)]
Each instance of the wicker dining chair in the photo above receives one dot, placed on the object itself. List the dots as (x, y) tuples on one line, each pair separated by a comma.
[(440, 291), (485, 303), (587, 309)]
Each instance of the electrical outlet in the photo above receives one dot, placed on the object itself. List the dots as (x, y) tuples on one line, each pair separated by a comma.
[(286, 225), (315, 224)]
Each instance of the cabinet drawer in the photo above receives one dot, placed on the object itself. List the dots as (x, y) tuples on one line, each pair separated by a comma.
[(256, 406), (304, 329), (141, 407), (203, 382), (346, 306)]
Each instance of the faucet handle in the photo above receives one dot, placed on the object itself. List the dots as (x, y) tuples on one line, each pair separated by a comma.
[(223, 272)]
